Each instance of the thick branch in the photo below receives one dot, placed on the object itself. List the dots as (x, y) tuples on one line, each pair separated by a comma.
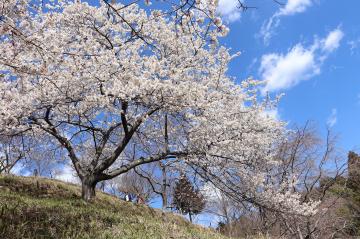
[(141, 161), (62, 140), (107, 162)]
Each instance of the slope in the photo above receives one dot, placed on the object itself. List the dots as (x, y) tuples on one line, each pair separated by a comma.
[(33, 207)]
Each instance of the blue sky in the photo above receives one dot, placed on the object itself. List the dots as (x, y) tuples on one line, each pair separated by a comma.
[(318, 84), (310, 51)]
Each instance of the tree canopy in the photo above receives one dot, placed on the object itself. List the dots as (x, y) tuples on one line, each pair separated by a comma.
[(118, 86), (186, 199)]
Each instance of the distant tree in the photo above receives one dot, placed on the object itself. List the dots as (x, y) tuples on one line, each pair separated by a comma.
[(134, 185), (317, 169), (44, 157), (354, 171), (186, 199), (227, 210), (161, 175), (353, 194), (12, 150)]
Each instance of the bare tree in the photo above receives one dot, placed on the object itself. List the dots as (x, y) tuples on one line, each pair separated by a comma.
[(131, 183), (12, 150), (311, 167), (44, 158), (161, 175), (223, 207), (319, 168)]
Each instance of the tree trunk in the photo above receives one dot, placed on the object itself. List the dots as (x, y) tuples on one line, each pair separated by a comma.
[(190, 217), (88, 189), (163, 167), (164, 201), (163, 188)]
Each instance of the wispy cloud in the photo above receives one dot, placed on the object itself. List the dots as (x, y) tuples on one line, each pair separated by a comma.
[(332, 119), (229, 10), (19, 169), (354, 44), (282, 71), (291, 7), (272, 113), (332, 41), (67, 174)]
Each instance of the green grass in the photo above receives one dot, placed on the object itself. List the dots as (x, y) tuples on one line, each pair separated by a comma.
[(42, 208)]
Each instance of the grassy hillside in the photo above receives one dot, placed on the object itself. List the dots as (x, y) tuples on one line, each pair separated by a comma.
[(43, 208)]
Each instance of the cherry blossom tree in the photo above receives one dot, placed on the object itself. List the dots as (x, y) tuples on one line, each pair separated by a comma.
[(101, 80)]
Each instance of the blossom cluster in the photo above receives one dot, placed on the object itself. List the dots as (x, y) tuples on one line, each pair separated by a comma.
[(101, 79)]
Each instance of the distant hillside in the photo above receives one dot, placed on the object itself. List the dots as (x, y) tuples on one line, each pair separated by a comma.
[(42, 208)]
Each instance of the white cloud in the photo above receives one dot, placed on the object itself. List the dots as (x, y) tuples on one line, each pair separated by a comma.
[(20, 170), (272, 113), (332, 41), (332, 119), (294, 6), (282, 71), (252, 64), (267, 29), (353, 45), (67, 174), (291, 7), (229, 10)]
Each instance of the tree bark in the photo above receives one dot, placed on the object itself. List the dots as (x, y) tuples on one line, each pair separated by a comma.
[(164, 201), (88, 189), (163, 188)]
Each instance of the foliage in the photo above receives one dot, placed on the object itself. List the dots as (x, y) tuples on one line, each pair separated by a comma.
[(186, 199), (353, 194)]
